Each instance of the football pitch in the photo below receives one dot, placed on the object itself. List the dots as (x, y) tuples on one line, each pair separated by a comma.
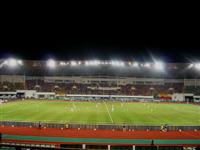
[(137, 113)]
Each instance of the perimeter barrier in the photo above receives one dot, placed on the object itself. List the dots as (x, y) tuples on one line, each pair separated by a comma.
[(95, 126)]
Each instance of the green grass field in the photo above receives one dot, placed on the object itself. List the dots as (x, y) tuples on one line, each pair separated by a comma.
[(101, 112)]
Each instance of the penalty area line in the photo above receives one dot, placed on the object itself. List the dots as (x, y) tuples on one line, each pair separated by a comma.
[(109, 113)]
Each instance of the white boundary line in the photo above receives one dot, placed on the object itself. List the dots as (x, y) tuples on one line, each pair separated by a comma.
[(108, 112)]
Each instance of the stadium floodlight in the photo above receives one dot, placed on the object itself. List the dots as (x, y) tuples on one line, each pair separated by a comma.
[(114, 63), (62, 63), (20, 62), (95, 62), (159, 65), (51, 63), (121, 63), (5, 62), (86, 63), (11, 62), (191, 65), (73, 63), (117, 63), (135, 64), (197, 65), (147, 65), (79, 62), (92, 63)]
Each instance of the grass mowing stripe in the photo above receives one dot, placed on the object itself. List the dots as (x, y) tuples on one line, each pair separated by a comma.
[(108, 112)]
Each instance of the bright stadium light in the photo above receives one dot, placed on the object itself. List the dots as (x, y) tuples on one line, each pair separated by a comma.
[(147, 65), (51, 63), (62, 63), (79, 62), (5, 62), (92, 63), (11, 62), (20, 62), (86, 63), (117, 63), (73, 63), (114, 63), (95, 62), (191, 65), (135, 64), (158, 65), (197, 65)]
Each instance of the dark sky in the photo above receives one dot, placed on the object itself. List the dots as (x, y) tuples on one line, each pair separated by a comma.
[(171, 39)]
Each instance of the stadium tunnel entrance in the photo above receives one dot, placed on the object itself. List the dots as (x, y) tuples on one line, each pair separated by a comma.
[(189, 99), (20, 95)]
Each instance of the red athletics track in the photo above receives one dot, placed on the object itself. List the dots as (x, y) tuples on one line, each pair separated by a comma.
[(83, 133)]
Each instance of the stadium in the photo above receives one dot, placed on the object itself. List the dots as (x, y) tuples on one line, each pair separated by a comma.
[(99, 104)]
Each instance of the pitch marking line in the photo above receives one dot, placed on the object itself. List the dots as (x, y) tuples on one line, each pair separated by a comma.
[(108, 112)]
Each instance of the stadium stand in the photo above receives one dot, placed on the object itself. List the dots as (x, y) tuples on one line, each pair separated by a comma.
[(101, 87)]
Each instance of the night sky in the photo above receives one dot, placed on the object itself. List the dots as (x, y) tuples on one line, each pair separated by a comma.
[(124, 38)]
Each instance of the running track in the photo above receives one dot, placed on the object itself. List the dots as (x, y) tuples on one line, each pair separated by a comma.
[(98, 134)]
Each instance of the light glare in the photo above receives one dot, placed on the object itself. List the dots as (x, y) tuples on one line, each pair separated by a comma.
[(159, 66), (92, 63), (135, 64), (12, 62), (62, 63), (197, 66), (191, 65), (73, 63), (147, 65), (20, 62), (51, 63), (117, 63)]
